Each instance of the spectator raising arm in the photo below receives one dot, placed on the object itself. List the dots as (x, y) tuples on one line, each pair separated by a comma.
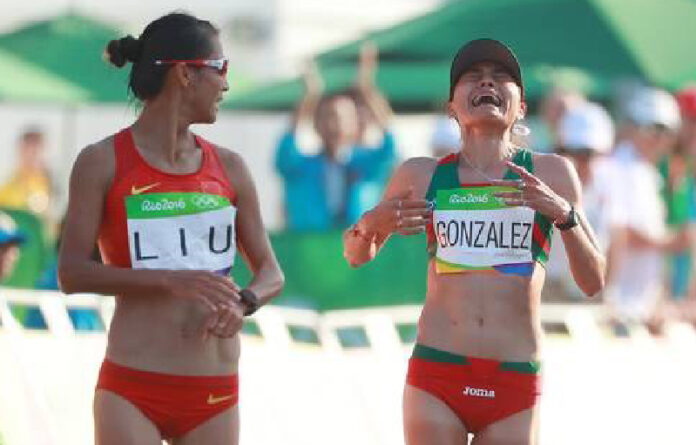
[(289, 161), (313, 86), (366, 89)]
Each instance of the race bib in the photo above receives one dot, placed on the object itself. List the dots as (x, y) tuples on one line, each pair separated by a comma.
[(181, 231), (476, 230)]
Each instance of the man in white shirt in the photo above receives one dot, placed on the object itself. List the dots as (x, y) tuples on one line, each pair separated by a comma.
[(585, 136), (639, 238)]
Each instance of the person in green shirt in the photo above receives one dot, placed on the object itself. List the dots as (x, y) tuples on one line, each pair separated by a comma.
[(680, 202), (680, 197)]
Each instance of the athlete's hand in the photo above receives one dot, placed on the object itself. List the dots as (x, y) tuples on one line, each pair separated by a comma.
[(402, 214), (216, 293), (534, 193), (227, 322), (207, 287)]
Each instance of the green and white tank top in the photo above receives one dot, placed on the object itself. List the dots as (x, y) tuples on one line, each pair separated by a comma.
[(472, 230)]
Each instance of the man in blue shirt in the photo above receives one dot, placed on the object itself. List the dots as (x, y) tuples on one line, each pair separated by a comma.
[(333, 188)]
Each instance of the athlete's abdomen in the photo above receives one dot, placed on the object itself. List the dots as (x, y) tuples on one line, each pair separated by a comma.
[(484, 314), (169, 338)]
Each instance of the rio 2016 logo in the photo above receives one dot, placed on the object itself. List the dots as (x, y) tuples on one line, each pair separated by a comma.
[(163, 204), (469, 198)]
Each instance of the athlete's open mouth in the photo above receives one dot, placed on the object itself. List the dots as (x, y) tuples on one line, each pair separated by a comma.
[(487, 98)]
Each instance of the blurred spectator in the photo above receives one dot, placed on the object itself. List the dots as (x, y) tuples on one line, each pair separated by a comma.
[(551, 110), (48, 279), (680, 194), (687, 144), (10, 240), (29, 187), (678, 173), (586, 135), (639, 238), (446, 137), (687, 135), (82, 318), (334, 187)]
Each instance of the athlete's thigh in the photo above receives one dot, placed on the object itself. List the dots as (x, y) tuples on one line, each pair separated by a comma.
[(119, 422), (223, 429), (518, 429), (429, 421)]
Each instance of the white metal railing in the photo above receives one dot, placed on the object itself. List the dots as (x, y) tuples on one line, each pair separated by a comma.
[(332, 393), (583, 322)]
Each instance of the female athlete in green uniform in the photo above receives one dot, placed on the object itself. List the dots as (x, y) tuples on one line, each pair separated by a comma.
[(488, 210)]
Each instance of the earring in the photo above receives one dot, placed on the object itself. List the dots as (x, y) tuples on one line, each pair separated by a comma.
[(519, 129)]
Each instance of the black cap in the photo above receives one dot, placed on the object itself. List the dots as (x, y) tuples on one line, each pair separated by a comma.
[(484, 50)]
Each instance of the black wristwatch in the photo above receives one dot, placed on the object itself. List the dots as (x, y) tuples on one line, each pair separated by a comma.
[(249, 300), (570, 222)]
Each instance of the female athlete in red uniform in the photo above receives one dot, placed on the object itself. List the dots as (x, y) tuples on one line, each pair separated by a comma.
[(168, 210), (488, 212)]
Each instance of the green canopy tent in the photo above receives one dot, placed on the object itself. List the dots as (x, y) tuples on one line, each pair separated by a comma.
[(587, 44), (409, 86), (24, 82), (69, 48)]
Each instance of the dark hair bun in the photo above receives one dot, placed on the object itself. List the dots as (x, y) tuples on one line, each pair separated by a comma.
[(121, 51)]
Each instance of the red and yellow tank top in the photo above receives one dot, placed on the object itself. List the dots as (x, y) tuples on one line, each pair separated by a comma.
[(472, 230), (157, 220)]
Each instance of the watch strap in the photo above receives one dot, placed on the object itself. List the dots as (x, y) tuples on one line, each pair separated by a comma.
[(249, 300), (570, 222)]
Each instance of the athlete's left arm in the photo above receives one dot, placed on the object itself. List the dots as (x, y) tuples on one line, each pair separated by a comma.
[(254, 245), (587, 263), (551, 191)]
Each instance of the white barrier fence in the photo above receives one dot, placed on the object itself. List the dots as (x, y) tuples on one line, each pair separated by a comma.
[(337, 377)]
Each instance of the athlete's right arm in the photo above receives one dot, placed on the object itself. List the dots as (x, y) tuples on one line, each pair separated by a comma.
[(402, 210), (90, 179)]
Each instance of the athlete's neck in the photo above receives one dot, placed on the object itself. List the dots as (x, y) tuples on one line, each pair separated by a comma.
[(485, 149), (162, 126)]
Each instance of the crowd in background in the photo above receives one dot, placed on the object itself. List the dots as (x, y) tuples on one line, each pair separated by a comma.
[(636, 170), (638, 194), (636, 165)]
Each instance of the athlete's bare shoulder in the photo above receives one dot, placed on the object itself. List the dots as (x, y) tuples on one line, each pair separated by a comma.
[(415, 169), (231, 160), (237, 171), (558, 173), (102, 150), (420, 162), (414, 173), (226, 155), (96, 163), (421, 165)]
